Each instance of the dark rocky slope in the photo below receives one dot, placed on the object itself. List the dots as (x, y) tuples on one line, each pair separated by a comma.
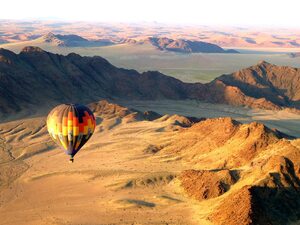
[(37, 78)]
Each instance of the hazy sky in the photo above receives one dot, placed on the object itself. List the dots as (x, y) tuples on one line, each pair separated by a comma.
[(284, 13)]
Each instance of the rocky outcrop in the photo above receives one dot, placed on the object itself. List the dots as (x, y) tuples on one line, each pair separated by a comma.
[(206, 184), (275, 200)]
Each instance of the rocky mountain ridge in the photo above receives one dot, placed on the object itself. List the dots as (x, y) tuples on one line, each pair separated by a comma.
[(36, 78)]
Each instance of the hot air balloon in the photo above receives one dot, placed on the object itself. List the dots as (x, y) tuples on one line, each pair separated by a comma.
[(71, 126)]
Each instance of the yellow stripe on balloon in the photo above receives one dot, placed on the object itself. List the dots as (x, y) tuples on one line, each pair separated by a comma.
[(75, 131), (70, 129), (64, 130), (70, 123)]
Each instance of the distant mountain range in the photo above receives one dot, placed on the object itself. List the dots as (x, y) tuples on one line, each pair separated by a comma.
[(50, 40), (294, 54), (167, 44), (71, 40), (36, 78), (229, 37), (3, 41), (181, 45)]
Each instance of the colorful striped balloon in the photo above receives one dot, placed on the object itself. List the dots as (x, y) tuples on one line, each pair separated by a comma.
[(71, 126)]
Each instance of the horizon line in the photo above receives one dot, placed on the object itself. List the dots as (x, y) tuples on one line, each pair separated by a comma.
[(161, 23)]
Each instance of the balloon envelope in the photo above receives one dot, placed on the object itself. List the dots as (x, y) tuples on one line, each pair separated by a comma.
[(71, 126)]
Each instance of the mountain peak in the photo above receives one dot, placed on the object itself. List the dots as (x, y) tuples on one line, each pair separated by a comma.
[(5, 52), (263, 62), (7, 56), (64, 39), (49, 35), (31, 49), (52, 38)]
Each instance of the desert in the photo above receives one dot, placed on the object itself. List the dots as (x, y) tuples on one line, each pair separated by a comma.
[(149, 113), (141, 165)]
